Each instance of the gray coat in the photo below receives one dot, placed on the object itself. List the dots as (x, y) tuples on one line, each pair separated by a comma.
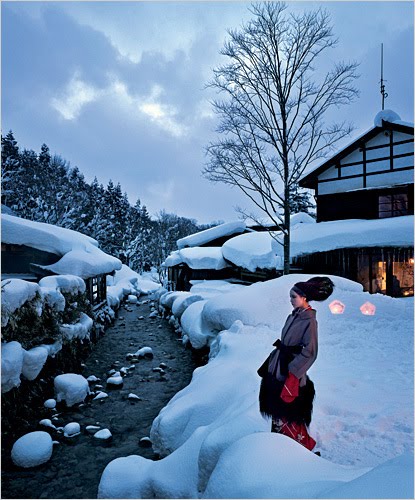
[(300, 328)]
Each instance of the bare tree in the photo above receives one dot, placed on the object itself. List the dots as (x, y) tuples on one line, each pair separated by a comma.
[(271, 120)]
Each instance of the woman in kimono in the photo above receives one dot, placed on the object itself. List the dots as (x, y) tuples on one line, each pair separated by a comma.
[(287, 393)]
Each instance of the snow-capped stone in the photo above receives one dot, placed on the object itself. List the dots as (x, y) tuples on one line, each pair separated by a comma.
[(46, 422), (160, 370), (100, 395), (141, 317), (33, 362), (12, 354), (163, 365), (132, 299), (387, 115), (116, 379), (145, 442), (50, 403), (144, 352), (103, 434), (71, 388), (153, 314), (72, 429), (134, 397), (93, 378), (32, 449)]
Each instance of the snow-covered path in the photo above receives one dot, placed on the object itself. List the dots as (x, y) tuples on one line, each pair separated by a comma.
[(76, 465)]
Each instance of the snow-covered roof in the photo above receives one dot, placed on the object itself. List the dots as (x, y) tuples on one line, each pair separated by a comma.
[(203, 258), (252, 250), (352, 233), (203, 237), (256, 249), (80, 253)]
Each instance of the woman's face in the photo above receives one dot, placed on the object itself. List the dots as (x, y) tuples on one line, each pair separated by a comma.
[(296, 300)]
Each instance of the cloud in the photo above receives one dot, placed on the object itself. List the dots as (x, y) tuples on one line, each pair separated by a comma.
[(76, 95), (163, 192)]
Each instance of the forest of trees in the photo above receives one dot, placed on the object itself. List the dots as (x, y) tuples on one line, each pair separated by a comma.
[(45, 188)]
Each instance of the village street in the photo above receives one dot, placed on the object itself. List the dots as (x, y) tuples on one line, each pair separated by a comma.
[(77, 463)]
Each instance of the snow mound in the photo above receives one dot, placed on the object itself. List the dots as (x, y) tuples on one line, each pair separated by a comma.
[(12, 355), (386, 115), (80, 330), (381, 481), (301, 218), (67, 283), (71, 387), (192, 325), (33, 362), (14, 293), (32, 449), (183, 302), (281, 467)]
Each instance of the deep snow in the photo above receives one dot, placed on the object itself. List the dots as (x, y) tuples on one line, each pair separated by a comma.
[(216, 444)]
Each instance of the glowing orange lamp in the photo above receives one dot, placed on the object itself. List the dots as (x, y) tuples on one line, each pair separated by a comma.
[(368, 309), (337, 307)]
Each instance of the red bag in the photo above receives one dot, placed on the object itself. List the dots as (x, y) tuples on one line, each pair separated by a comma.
[(291, 388)]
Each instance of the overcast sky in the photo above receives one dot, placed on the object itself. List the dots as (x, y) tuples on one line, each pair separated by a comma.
[(117, 88)]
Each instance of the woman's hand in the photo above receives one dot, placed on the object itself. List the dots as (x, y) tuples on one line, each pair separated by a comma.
[(291, 388)]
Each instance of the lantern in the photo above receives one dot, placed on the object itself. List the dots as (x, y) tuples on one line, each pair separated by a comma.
[(337, 307), (368, 309)]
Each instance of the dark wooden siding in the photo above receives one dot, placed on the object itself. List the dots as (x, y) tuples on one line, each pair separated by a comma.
[(16, 259), (361, 204)]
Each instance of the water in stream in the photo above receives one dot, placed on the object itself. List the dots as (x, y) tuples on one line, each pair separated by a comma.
[(77, 463)]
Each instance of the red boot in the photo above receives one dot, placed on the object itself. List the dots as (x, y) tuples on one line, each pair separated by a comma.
[(295, 431)]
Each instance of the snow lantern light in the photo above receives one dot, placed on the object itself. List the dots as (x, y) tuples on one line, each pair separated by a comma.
[(368, 309), (337, 307)]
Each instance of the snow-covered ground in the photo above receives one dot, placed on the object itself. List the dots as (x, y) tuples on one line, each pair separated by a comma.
[(215, 443)]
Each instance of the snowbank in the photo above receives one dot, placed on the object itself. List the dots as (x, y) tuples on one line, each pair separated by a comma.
[(215, 442), (68, 283), (33, 362)]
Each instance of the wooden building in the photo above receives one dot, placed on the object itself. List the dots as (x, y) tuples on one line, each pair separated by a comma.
[(371, 178), (26, 262)]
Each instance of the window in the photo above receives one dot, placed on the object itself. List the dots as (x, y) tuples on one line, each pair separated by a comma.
[(393, 205)]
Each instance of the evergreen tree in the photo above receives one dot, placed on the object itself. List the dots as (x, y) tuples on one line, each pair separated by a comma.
[(10, 166)]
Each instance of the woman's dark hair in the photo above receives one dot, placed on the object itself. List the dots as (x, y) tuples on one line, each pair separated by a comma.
[(318, 288)]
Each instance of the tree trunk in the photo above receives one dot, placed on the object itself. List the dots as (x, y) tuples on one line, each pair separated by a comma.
[(287, 234)]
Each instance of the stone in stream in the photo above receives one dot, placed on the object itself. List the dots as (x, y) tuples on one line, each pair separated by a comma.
[(145, 352), (50, 403), (93, 378), (71, 388), (32, 449), (116, 381), (71, 430), (141, 317), (145, 442), (46, 422), (111, 372), (103, 436), (163, 365), (134, 397), (160, 370), (100, 395), (92, 429)]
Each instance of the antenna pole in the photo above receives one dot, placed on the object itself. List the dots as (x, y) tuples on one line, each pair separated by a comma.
[(382, 86)]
